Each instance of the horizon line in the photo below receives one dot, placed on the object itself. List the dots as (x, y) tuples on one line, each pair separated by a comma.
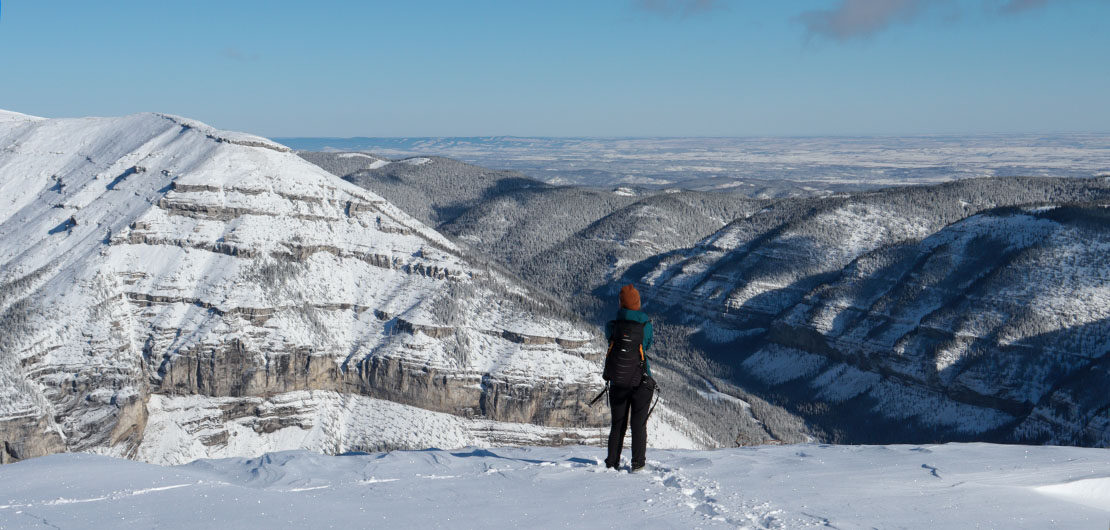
[(696, 137)]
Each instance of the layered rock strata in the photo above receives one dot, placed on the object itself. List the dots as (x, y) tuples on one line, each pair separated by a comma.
[(152, 255)]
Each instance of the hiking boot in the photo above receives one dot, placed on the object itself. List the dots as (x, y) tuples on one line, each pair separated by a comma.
[(636, 468), (610, 465)]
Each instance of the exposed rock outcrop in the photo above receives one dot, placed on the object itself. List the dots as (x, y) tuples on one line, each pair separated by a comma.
[(218, 266)]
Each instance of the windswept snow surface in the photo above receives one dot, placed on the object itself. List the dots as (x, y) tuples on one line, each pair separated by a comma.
[(7, 115), (789, 486), (334, 423)]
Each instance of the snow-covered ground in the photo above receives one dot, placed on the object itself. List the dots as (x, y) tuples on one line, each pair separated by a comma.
[(181, 429), (788, 486)]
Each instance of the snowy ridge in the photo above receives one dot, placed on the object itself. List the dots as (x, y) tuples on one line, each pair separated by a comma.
[(994, 325), (790, 486), (151, 255), (7, 115), (239, 138)]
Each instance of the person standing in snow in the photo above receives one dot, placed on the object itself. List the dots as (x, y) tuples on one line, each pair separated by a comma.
[(628, 373)]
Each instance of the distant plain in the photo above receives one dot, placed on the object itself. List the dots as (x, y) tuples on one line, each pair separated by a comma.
[(772, 166)]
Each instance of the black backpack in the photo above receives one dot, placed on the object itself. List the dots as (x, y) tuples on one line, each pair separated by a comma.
[(624, 364)]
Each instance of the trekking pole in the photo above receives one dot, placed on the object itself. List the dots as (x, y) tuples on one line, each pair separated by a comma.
[(601, 394), (652, 409)]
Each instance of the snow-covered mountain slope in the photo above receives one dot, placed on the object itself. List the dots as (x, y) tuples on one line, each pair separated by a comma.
[(591, 260), (184, 428), (431, 189), (933, 309), (791, 486), (152, 255), (753, 294), (576, 242), (342, 164), (566, 239), (556, 236)]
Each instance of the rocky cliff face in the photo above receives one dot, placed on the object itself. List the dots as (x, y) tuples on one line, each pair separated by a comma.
[(153, 257), (935, 313)]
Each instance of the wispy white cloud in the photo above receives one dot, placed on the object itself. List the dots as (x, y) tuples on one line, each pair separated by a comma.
[(860, 18), (851, 19)]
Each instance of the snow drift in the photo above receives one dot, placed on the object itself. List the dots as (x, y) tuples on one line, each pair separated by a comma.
[(789, 486)]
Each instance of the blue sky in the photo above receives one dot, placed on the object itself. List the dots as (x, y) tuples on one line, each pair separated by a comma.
[(568, 68)]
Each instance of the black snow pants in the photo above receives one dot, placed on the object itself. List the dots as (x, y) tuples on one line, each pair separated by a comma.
[(621, 400)]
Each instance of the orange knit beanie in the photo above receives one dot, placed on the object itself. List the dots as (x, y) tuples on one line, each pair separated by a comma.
[(630, 298)]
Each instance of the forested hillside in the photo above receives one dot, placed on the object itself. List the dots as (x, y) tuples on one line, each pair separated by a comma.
[(940, 313), (968, 310)]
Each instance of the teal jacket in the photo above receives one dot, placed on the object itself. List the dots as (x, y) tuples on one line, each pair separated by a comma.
[(635, 316)]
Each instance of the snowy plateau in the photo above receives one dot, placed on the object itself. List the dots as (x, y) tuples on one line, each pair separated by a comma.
[(758, 167), (787, 486)]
